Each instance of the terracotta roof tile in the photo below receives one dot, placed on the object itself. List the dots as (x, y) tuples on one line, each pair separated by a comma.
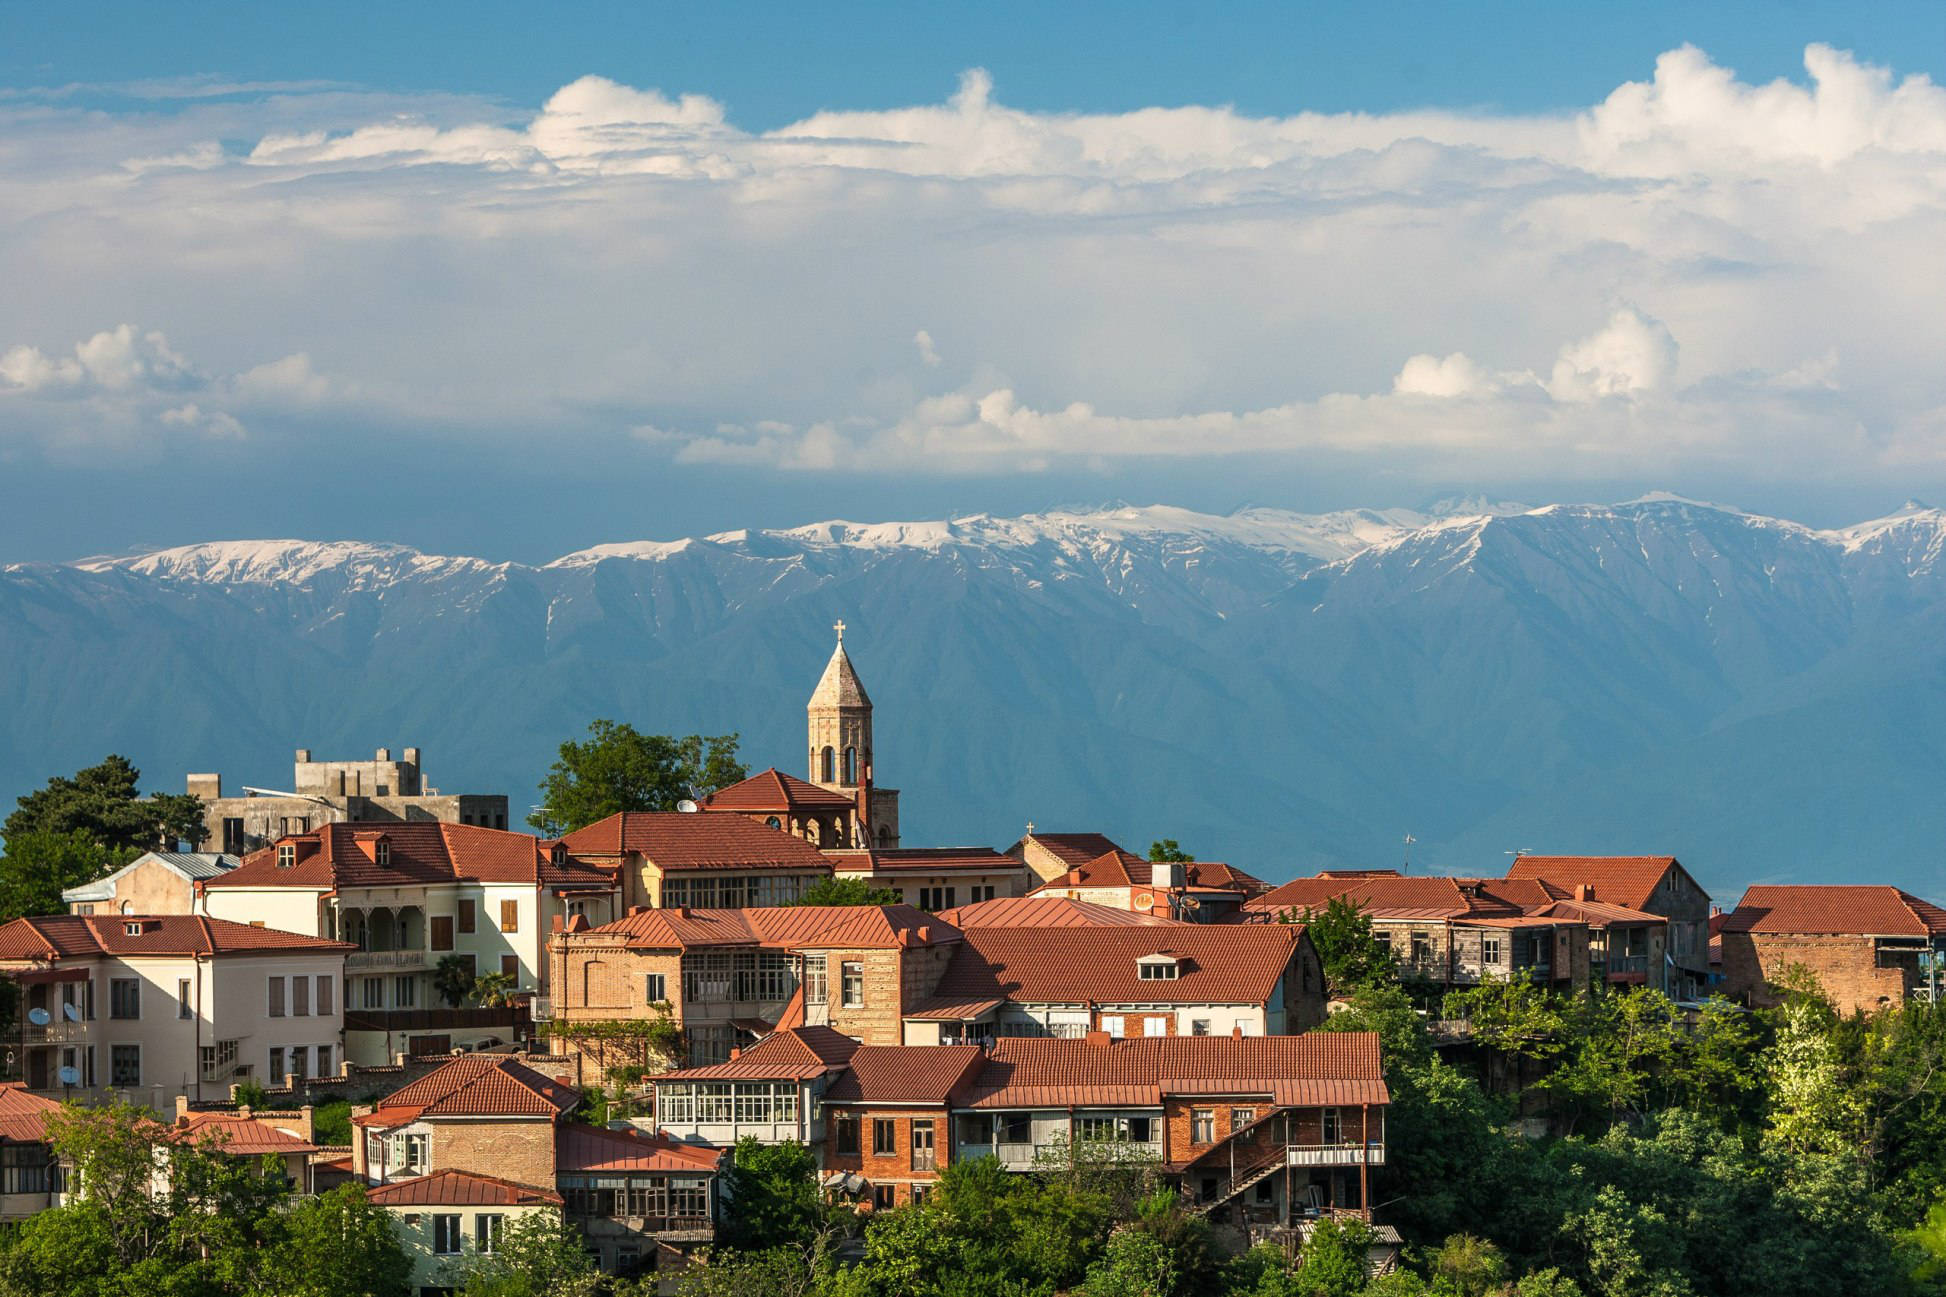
[(450, 1188), (1049, 912), (80, 936), (781, 927), (418, 852), (232, 1132), (1073, 848), (703, 840), (1120, 868), (1328, 1067), (799, 1053), (1226, 964), (1859, 910), (580, 1147), (922, 860), (1619, 880), (773, 790), (24, 1114), (907, 1074), (477, 1085)]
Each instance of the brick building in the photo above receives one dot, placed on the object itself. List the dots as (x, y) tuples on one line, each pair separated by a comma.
[(639, 1201), (1196, 891), (1050, 855), (1172, 979), (1259, 1132), (1457, 931), (701, 860), (727, 977), (1868, 946), (821, 816), (1657, 885)]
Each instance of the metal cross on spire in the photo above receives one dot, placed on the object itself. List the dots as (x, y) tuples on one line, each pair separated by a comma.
[(839, 626)]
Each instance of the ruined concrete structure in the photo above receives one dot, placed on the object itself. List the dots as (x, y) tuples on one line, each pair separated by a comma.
[(336, 792)]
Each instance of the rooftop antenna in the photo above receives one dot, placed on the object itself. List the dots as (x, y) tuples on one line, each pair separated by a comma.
[(1518, 852), (1409, 840)]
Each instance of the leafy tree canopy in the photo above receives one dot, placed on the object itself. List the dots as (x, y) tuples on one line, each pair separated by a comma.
[(618, 768), (1351, 955), (1167, 851), (847, 891), (103, 803)]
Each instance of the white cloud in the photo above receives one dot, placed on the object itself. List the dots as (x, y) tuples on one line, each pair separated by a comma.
[(1185, 281)]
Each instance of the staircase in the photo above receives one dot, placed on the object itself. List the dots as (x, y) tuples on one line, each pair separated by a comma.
[(1239, 1181)]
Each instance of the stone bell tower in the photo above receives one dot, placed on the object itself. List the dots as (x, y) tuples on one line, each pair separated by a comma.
[(839, 724)]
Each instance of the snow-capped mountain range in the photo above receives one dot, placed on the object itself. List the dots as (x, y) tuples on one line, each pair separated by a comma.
[(1284, 690)]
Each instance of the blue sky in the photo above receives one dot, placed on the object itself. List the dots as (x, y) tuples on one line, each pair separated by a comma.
[(513, 280)]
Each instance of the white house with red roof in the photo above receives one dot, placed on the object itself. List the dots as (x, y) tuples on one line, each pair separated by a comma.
[(407, 896), (448, 1220), (154, 1007), (30, 1178)]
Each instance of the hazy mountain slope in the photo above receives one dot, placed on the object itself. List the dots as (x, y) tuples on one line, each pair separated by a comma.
[(1282, 690)]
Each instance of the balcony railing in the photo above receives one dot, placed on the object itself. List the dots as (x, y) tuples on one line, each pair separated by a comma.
[(1340, 1154), (57, 1032), (366, 959)]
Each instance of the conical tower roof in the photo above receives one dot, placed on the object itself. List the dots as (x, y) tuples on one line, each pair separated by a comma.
[(839, 685)]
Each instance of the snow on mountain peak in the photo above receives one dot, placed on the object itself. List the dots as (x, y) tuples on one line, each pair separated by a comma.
[(285, 562)]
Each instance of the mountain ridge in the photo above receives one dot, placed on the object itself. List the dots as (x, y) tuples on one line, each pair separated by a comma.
[(1285, 690)]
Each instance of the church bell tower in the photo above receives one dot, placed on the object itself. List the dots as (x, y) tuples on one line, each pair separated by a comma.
[(839, 724)]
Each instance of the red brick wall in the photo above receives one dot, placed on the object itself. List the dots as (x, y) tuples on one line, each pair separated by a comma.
[(1846, 967), (894, 1168)]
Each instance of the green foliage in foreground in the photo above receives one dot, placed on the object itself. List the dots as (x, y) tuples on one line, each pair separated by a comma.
[(847, 891)]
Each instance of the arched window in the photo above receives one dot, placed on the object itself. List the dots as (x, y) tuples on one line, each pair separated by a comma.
[(851, 765), (774, 822), (884, 835), (830, 763)]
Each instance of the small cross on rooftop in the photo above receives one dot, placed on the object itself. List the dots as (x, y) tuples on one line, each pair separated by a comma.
[(839, 626)]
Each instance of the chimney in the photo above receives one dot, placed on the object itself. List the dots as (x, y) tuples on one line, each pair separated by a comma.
[(182, 1107), (384, 754), (1236, 1032), (560, 923), (412, 756), (735, 1053), (576, 923), (207, 787), (1099, 1038), (1584, 892), (634, 910), (303, 756)]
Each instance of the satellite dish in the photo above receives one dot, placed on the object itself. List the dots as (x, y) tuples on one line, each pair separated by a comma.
[(69, 1076), (39, 1017), (71, 1013), (687, 807)]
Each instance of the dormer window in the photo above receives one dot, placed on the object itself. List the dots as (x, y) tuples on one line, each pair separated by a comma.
[(560, 853), (286, 854), (1158, 968), (132, 929), (382, 852)]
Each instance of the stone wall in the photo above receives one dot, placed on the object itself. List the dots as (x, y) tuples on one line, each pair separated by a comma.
[(1845, 966)]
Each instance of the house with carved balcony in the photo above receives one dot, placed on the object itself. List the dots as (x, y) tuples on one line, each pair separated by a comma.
[(156, 1007), (1260, 1133), (728, 977), (405, 897), (642, 1203)]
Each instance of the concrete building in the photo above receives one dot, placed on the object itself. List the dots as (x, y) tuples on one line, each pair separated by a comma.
[(380, 790), (162, 1006), (1870, 947), (405, 896), (448, 1220), (156, 882)]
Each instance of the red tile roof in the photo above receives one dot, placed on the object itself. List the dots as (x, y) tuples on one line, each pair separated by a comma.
[(231, 1132), (1049, 912), (773, 790), (1859, 910), (1120, 868), (419, 852), (81, 936), (1389, 895), (1318, 1067), (1225, 964), (703, 840), (1073, 848), (1619, 880), (923, 860), (451, 1188), (476, 1085), (907, 1074), (799, 1053), (781, 927), (579, 1148), (24, 1114)]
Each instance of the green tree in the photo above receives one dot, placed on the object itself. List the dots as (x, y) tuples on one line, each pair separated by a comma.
[(1466, 1266), (1168, 852), (453, 978), (493, 990), (539, 1255), (40, 864), (1335, 1261), (847, 891), (773, 1195), (618, 768), (1351, 955), (338, 1245), (103, 803)]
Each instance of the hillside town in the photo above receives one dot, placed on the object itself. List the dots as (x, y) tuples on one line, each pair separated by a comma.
[(597, 1027)]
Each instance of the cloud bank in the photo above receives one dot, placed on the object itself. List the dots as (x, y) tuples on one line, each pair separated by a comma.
[(1694, 271)]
